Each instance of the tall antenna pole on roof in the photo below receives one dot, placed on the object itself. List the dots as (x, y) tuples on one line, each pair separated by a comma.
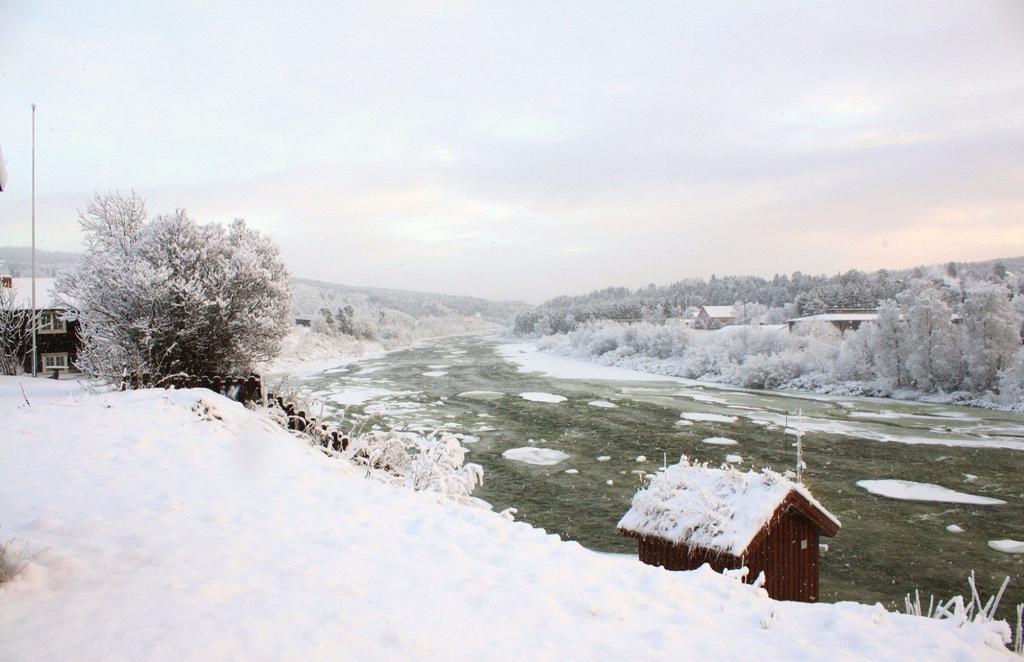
[(35, 322), (799, 450)]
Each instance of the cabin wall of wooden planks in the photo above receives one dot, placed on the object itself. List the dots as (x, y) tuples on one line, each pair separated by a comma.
[(787, 554)]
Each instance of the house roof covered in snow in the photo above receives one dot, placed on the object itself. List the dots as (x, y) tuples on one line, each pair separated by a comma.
[(719, 509), (720, 311), (837, 317), (45, 298)]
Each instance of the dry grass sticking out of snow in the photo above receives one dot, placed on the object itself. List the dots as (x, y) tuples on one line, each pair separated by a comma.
[(154, 533)]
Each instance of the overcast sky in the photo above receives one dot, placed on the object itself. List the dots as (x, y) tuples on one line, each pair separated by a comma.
[(529, 149)]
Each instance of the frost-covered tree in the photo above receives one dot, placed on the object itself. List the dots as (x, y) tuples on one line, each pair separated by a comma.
[(933, 348), (991, 335), (15, 333), (1011, 382), (168, 296), (748, 313), (891, 345), (856, 359)]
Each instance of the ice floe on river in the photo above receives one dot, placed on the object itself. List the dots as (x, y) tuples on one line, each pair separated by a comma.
[(358, 394), (602, 404), (1007, 546), (708, 417), (719, 441), (535, 455), (481, 395), (540, 396), (913, 491)]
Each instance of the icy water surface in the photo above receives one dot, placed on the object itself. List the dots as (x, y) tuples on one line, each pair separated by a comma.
[(886, 547)]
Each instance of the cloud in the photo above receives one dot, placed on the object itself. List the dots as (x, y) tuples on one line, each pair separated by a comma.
[(531, 150)]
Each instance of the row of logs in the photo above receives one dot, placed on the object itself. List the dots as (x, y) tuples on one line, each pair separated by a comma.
[(328, 437)]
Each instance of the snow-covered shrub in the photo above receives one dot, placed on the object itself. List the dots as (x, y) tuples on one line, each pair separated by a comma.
[(439, 467), (434, 464), (12, 561), (166, 295), (15, 333), (959, 611), (387, 451)]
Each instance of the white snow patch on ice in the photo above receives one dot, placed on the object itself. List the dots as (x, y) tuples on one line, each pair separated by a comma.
[(357, 395), (540, 396), (1007, 546), (535, 455), (481, 395), (530, 359), (709, 417), (909, 490), (955, 528), (603, 458), (435, 373), (719, 441), (604, 404), (734, 459)]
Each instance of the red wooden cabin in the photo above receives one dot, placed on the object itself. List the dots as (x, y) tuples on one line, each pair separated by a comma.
[(691, 514)]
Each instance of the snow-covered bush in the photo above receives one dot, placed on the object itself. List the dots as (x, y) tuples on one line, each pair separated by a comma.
[(15, 333), (959, 611), (166, 295), (434, 464), (439, 467)]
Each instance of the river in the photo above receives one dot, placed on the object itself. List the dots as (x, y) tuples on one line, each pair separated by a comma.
[(886, 548)]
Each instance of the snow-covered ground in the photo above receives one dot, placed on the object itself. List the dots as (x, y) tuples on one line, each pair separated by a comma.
[(178, 525), (306, 351)]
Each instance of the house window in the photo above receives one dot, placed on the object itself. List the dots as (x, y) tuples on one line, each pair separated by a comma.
[(51, 322), (57, 361)]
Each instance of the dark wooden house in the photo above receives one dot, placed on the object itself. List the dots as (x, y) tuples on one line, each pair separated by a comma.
[(691, 514), (57, 338), (715, 317)]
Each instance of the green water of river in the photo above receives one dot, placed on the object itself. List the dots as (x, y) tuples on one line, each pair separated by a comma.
[(886, 547)]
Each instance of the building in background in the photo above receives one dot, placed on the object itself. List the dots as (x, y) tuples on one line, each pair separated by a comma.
[(715, 317), (57, 338)]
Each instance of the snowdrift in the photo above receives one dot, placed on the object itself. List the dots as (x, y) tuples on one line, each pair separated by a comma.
[(178, 525)]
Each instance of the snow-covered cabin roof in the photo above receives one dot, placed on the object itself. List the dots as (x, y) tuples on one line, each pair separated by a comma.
[(837, 317), (719, 509), (45, 299), (720, 311)]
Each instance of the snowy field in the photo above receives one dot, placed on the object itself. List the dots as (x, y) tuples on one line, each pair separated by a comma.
[(177, 525)]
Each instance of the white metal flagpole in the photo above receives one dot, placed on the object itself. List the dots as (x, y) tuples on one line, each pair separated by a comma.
[(35, 322)]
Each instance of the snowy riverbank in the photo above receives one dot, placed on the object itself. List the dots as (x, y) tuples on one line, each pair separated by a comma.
[(178, 525), (751, 357)]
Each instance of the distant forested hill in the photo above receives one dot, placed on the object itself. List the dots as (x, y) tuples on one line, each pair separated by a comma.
[(310, 296), (794, 294), (17, 261)]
